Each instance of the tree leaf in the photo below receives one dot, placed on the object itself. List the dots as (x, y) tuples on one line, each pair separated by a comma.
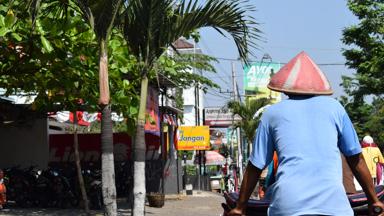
[(123, 70), (16, 36), (10, 19), (3, 31), (133, 110), (125, 84), (46, 44), (2, 21)]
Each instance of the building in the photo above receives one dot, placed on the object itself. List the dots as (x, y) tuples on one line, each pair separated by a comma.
[(193, 96)]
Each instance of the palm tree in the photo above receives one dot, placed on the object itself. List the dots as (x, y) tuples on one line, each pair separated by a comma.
[(151, 26), (100, 15), (250, 117)]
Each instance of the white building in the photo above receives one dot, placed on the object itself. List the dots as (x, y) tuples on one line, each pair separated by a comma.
[(193, 97)]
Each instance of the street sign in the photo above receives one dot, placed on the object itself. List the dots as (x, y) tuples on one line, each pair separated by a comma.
[(193, 138), (219, 117)]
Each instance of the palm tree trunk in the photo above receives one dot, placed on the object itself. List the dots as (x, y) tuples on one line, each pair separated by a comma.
[(249, 150), (139, 190), (78, 166), (107, 161)]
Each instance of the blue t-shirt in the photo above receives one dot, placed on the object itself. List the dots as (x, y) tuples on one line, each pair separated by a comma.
[(308, 134)]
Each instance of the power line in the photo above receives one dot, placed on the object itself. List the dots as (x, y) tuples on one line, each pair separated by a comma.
[(306, 48), (217, 64), (255, 61), (219, 95)]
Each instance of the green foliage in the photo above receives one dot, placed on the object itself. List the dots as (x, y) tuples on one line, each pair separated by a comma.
[(191, 170), (58, 62), (189, 154), (249, 122), (366, 55), (179, 69), (151, 26), (376, 122), (367, 48)]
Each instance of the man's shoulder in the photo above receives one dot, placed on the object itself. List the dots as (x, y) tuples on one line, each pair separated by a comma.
[(331, 104), (321, 102), (327, 99)]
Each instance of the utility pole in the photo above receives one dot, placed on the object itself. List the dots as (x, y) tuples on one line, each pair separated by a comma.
[(197, 121), (239, 150)]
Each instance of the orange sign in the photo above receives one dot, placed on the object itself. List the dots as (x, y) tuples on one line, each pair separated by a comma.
[(193, 138)]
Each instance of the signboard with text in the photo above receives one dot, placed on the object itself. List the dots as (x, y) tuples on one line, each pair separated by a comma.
[(256, 79), (219, 117), (193, 138)]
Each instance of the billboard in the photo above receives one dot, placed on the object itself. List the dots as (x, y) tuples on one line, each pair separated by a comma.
[(219, 117), (256, 79), (193, 138)]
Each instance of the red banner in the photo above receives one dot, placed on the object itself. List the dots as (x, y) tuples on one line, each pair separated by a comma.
[(61, 146), (152, 123)]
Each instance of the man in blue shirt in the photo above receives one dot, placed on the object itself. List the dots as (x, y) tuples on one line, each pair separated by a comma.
[(308, 131)]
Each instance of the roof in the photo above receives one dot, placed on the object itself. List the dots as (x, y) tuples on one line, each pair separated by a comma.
[(173, 109), (166, 81), (182, 43)]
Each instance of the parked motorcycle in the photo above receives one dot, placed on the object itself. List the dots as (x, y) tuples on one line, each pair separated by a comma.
[(63, 195), (92, 180), (19, 186)]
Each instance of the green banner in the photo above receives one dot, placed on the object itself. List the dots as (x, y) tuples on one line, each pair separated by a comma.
[(256, 79)]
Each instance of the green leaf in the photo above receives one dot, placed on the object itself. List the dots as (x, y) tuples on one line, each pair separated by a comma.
[(10, 19), (171, 71), (3, 8), (125, 84), (16, 36), (123, 70), (2, 20), (133, 110), (46, 44), (124, 100), (3, 31)]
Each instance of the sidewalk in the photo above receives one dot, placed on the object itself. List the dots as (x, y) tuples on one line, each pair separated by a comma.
[(199, 204)]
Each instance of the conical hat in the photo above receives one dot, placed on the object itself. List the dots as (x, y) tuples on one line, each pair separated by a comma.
[(301, 76)]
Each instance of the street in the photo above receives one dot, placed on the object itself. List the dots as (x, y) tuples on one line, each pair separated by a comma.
[(198, 204)]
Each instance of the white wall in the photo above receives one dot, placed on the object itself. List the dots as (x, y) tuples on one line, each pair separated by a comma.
[(25, 145), (189, 96), (189, 116), (190, 107)]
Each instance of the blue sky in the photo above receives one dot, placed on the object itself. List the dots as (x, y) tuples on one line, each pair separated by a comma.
[(288, 27)]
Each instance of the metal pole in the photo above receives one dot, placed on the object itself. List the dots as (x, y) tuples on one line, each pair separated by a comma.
[(196, 124), (162, 144), (239, 150)]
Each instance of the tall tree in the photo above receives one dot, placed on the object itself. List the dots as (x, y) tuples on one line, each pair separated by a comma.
[(151, 26), (100, 15), (365, 54), (249, 117)]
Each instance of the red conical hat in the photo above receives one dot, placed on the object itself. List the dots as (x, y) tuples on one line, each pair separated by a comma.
[(301, 76)]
